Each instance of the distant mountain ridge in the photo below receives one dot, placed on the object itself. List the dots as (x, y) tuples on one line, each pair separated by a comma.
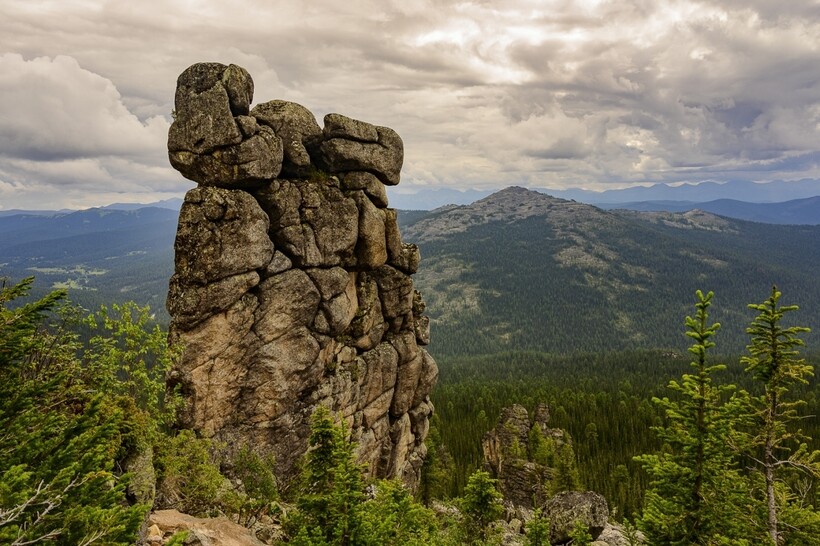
[(753, 192), (750, 192), (796, 211), (515, 270), (101, 255)]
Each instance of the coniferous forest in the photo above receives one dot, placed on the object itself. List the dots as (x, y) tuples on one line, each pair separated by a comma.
[(86, 393)]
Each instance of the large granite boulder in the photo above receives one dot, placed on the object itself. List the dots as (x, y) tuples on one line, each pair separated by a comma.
[(351, 145), (213, 140), (566, 509), (297, 128), (292, 286)]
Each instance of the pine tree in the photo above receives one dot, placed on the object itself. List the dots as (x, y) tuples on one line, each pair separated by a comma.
[(774, 361), (393, 517), (332, 486), (332, 506), (481, 505), (691, 499), (537, 530), (566, 476)]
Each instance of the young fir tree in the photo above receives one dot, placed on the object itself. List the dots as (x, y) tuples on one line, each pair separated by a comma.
[(481, 505), (774, 361), (332, 487), (537, 530), (333, 509), (691, 496)]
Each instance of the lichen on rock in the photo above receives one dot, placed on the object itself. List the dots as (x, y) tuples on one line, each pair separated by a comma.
[(292, 285)]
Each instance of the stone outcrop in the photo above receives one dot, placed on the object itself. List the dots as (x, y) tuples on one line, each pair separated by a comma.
[(564, 510), (525, 455), (508, 455), (163, 524), (292, 285)]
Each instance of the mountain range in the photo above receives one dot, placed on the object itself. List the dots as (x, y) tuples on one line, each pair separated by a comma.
[(101, 255), (633, 198), (796, 211)]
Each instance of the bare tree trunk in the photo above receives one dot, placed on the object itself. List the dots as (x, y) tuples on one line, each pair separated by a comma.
[(768, 463)]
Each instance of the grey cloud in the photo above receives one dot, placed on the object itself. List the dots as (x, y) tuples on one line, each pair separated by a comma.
[(52, 108), (484, 94)]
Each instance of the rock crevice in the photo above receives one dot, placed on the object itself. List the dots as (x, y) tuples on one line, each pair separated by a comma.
[(292, 285)]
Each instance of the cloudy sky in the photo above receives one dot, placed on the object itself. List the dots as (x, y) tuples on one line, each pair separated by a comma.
[(543, 93)]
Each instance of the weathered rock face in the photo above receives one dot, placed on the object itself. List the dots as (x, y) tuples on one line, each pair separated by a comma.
[(292, 286), (508, 454), (565, 509)]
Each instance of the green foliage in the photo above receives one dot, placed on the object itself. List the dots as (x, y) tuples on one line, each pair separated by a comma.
[(630, 533), (480, 504), (333, 509), (537, 530), (188, 477), (777, 449), (693, 495), (393, 517), (129, 356), (580, 534), (258, 485), (540, 450), (566, 477), (437, 470), (61, 439), (332, 486), (178, 539)]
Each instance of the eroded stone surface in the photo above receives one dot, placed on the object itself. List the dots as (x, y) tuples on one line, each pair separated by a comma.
[(292, 285), (298, 130), (565, 509), (523, 481), (212, 140)]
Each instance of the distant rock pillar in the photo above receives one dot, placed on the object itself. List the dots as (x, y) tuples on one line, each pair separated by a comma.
[(292, 287)]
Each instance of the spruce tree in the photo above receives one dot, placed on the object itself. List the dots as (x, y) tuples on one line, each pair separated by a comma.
[(481, 505), (775, 447), (691, 496), (332, 486)]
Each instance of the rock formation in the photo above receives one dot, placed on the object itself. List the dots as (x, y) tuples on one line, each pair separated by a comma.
[(564, 510), (292, 285), (523, 453), (508, 449)]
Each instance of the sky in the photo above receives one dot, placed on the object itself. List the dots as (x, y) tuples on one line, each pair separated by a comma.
[(558, 94)]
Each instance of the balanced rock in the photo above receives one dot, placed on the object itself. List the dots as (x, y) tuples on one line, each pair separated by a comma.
[(297, 128), (212, 140), (351, 145), (292, 285)]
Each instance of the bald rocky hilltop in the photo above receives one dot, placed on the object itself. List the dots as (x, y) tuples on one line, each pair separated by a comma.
[(292, 287)]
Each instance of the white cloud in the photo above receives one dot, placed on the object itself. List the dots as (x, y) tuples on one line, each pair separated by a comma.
[(53, 108)]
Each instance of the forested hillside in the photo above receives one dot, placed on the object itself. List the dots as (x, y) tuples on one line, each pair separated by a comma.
[(536, 299), (533, 300), (99, 255), (523, 271)]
